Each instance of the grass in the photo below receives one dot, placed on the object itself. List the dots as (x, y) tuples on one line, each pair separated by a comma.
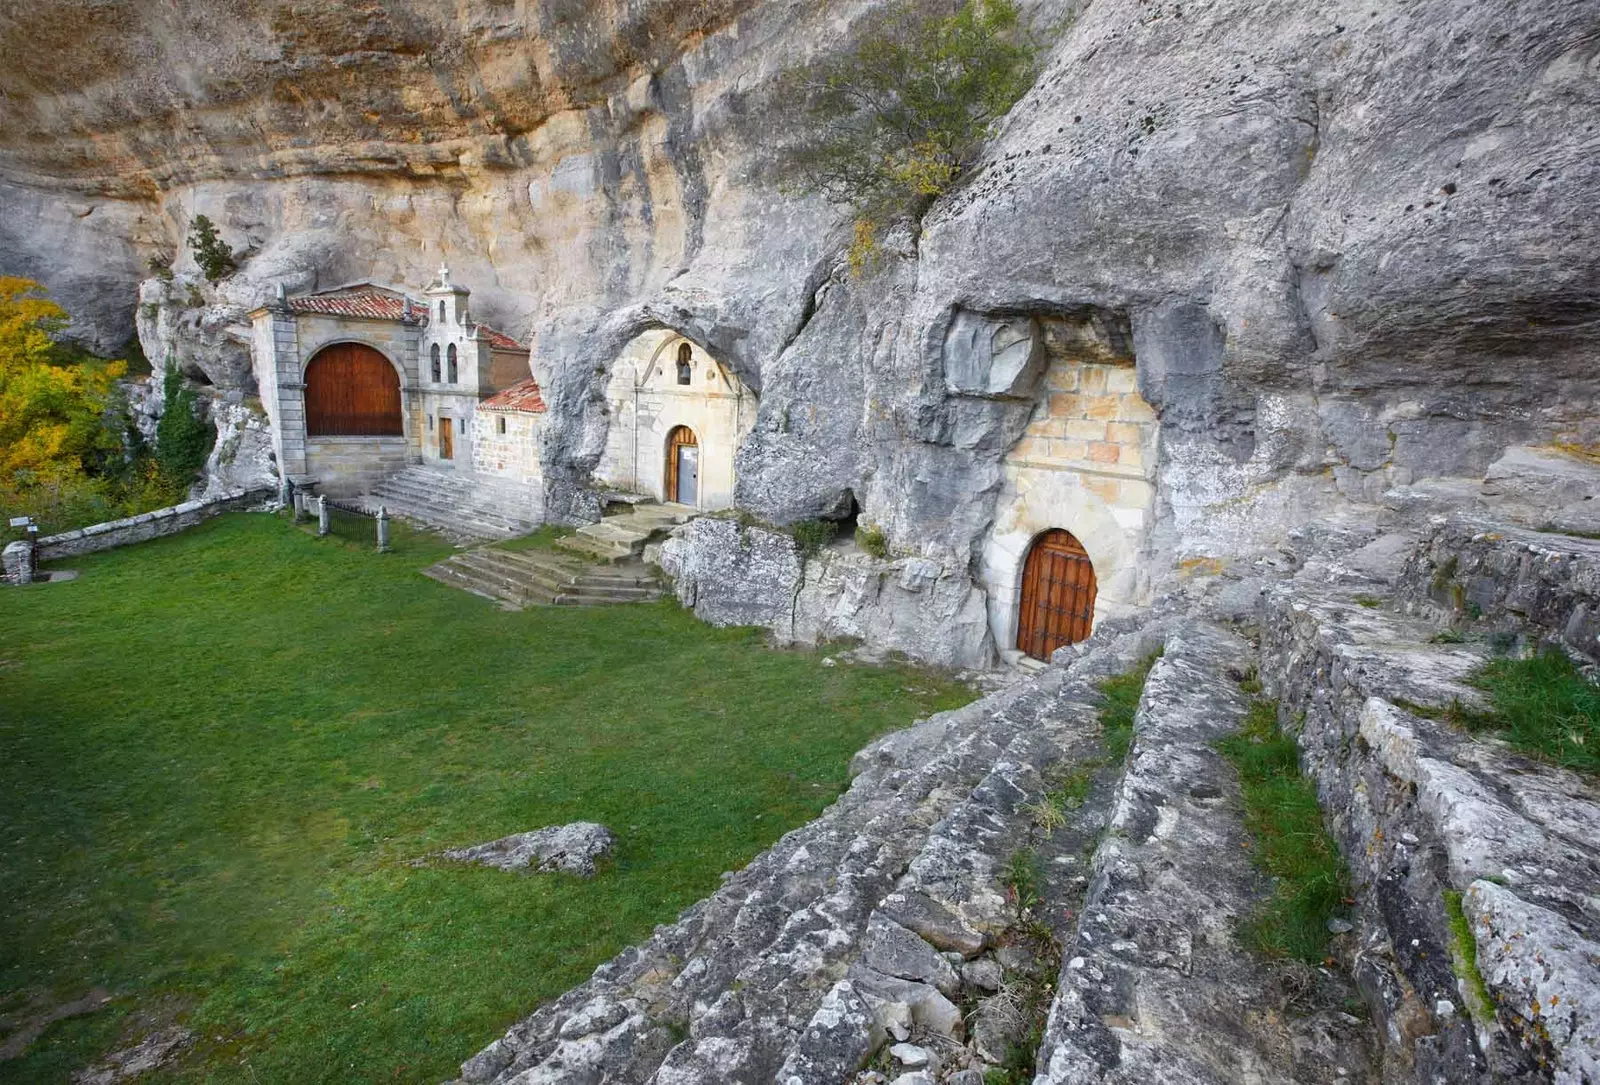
[(1544, 706), (228, 755), (1464, 960), (1284, 818), (1121, 704), (542, 539)]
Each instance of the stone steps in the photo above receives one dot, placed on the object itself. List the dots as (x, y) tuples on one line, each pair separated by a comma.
[(623, 537), (457, 505), (516, 579), (1422, 808), (854, 928), (1155, 988)]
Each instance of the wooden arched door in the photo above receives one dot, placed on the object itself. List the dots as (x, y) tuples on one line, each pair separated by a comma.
[(683, 466), (352, 391), (1058, 591)]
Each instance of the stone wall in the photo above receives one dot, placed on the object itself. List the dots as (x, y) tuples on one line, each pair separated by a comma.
[(511, 454), (133, 529), (1086, 463), (348, 466)]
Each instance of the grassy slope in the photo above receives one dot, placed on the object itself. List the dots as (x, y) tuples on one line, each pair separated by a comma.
[(223, 750)]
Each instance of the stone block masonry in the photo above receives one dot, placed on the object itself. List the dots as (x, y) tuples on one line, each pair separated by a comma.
[(113, 533)]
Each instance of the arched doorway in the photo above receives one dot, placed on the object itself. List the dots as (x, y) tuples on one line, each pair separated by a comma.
[(352, 391), (683, 466), (1058, 592)]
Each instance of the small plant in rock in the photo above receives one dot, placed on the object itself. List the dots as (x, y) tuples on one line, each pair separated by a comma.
[(1544, 706), (213, 255), (1121, 705), (812, 535), (898, 119), (873, 541), (183, 439), (1284, 818)]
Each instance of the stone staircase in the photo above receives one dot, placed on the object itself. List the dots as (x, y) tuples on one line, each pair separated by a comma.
[(520, 578), (459, 506), (623, 537)]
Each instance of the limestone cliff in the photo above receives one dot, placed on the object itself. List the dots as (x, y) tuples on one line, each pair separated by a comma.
[(1353, 246)]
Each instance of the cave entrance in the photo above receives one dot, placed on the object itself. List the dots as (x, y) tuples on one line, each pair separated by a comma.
[(1058, 594)]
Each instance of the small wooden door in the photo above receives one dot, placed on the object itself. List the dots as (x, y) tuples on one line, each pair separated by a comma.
[(447, 442), (1058, 592), (683, 466)]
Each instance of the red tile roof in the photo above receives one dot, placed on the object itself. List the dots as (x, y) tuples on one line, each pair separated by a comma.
[(366, 300), (522, 396), (499, 339), (380, 303)]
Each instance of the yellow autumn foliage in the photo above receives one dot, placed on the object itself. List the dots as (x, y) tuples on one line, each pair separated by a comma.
[(52, 415)]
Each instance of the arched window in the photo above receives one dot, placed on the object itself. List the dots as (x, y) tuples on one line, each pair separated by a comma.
[(441, 310), (352, 391), (435, 353), (685, 370), (452, 363)]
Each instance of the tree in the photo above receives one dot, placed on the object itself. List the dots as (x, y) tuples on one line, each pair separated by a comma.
[(896, 121), (52, 416), (183, 439), (214, 255)]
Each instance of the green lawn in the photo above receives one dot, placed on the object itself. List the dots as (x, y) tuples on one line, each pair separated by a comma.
[(225, 758)]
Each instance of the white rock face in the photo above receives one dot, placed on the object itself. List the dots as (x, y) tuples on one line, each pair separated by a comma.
[(1353, 247)]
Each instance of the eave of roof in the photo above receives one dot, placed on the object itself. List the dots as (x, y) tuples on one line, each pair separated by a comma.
[(523, 396)]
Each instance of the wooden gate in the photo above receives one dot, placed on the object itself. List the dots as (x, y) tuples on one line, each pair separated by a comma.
[(680, 438), (352, 391), (1058, 591)]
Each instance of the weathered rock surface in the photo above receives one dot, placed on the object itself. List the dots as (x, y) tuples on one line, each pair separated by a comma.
[(571, 848), (1493, 576), (830, 944), (732, 574), (1156, 988), (1420, 809), (1353, 246)]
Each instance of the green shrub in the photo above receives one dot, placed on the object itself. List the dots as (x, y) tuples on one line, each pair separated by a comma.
[(183, 439), (897, 120), (873, 541), (213, 255), (812, 535), (1284, 818), (1544, 706)]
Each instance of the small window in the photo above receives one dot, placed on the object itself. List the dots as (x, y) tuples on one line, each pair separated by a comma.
[(502, 423), (441, 310), (461, 424), (430, 423), (435, 353), (452, 363), (685, 369)]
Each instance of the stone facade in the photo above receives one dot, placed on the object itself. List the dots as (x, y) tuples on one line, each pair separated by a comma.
[(1085, 463), (646, 401), (445, 362)]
